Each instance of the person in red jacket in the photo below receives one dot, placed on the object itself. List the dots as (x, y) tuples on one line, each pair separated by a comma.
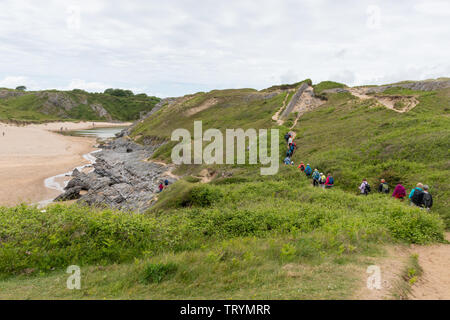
[(330, 181), (161, 187), (301, 166)]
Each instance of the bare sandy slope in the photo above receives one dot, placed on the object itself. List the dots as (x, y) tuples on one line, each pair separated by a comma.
[(434, 284), (30, 154)]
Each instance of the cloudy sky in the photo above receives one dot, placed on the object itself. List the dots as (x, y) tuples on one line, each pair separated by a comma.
[(175, 47)]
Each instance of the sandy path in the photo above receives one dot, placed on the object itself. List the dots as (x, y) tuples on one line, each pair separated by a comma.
[(276, 116), (434, 283), (387, 101), (30, 154), (391, 267)]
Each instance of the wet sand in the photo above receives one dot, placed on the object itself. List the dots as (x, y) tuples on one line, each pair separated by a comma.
[(30, 154)]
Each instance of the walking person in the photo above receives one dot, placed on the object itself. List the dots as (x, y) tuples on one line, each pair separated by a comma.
[(301, 166), (316, 178), (329, 183), (308, 170), (383, 187), (161, 187), (427, 198), (416, 195), (322, 180), (364, 187), (399, 192)]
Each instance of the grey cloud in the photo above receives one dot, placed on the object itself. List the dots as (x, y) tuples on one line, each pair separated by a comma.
[(184, 46)]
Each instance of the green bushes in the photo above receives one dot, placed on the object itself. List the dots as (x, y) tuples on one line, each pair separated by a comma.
[(284, 205), (203, 195)]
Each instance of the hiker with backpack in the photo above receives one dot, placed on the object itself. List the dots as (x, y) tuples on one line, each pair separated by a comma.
[(322, 180), (416, 195), (293, 147), (427, 198), (308, 170), (316, 178), (364, 187), (287, 160), (301, 167), (399, 192), (286, 137), (329, 183), (290, 140), (161, 187), (383, 187)]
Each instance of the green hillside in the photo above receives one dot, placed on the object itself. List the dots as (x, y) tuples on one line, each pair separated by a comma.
[(71, 105), (244, 235)]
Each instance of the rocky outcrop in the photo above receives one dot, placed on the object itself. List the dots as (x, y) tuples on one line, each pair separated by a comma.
[(122, 178), (100, 111), (294, 100), (10, 93)]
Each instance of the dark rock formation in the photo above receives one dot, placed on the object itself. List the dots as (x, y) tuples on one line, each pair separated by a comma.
[(122, 177)]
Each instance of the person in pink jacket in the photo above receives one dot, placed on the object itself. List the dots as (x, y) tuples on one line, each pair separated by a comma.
[(399, 192), (330, 181)]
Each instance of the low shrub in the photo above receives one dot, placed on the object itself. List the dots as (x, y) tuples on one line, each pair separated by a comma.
[(158, 272)]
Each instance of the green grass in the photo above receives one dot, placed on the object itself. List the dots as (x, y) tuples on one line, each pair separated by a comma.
[(325, 85)]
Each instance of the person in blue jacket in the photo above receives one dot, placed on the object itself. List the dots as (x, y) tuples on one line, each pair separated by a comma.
[(308, 170), (416, 195)]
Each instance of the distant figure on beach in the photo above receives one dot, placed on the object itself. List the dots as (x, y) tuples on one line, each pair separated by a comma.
[(3, 133)]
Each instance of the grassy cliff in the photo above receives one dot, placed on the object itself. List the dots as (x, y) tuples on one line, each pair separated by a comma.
[(71, 105)]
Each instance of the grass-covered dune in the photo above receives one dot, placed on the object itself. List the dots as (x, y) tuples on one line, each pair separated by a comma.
[(51, 105), (249, 235)]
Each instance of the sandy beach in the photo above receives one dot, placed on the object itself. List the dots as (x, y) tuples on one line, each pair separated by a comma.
[(30, 154)]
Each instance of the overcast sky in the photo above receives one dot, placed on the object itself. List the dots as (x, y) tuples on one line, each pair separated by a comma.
[(176, 47)]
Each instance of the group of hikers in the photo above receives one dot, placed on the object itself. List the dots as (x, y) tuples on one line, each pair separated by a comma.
[(419, 196), (319, 179), (163, 184)]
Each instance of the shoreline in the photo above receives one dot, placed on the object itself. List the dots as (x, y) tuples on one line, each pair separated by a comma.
[(31, 154)]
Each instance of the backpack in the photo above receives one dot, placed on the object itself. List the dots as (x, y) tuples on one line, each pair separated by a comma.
[(427, 200), (417, 197), (331, 180), (316, 175), (308, 170), (367, 188), (385, 188), (323, 179)]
